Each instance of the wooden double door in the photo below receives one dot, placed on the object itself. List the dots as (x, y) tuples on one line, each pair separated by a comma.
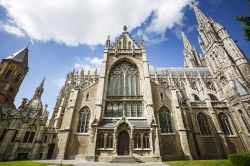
[(123, 143)]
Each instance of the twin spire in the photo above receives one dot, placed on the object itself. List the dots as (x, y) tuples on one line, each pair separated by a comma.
[(192, 59)]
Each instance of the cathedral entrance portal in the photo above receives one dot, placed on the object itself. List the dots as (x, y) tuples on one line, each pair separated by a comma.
[(123, 143)]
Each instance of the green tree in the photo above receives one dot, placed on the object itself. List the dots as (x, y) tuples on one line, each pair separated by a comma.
[(245, 25)]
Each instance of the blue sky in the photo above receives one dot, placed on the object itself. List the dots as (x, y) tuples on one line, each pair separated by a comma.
[(71, 35)]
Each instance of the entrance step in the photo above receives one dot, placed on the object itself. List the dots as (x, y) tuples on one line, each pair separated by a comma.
[(124, 159)]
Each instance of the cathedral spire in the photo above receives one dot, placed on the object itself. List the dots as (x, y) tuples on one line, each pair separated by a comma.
[(201, 18), (39, 89), (186, 42), (191, 56)]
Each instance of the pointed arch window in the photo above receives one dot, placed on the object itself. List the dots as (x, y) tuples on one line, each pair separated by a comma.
[(29, 136), (18, 77), (124, 83), (203, 124), (87, 97), (195, 97), (124, 80), (194, 86), (247, 125), (224, 123), (165, 120), (8, 73), (83, 120), (119, 45), (223, 81), (129, 45), (161, 96), (212, 97), (210, 86)]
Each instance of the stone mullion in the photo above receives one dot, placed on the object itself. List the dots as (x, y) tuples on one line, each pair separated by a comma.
[(151, 140), (105, 140), (131, 141), (115, 139), (141, 138)]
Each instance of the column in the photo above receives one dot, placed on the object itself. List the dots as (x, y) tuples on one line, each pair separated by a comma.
[(65, 129), (180, 126), (219, 134)]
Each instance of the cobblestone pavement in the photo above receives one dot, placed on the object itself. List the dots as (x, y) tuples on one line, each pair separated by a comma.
[(86, 163)]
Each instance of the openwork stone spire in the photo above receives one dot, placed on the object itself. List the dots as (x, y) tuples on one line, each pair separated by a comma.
[(201, 18)]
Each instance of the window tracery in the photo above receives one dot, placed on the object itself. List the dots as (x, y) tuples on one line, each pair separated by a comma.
[(246, 123), (203, 124), (225, 125), (210, 86), (124, 87), (212, 97), (165, 120), (195, 97), (83, 120)]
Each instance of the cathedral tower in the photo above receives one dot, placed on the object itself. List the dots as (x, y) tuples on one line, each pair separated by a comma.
[(13, 69), (222, 55)]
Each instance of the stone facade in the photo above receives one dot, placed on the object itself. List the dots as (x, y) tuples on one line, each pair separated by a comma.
[(125, 108)]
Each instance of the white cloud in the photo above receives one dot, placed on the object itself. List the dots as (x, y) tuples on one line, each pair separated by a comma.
[(87, 63), (89, 22), (11, 29), (60, 82)]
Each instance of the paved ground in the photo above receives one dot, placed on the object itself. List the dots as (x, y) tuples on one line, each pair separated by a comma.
[(86, 163)]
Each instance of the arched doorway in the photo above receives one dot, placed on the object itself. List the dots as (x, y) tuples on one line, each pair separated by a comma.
[(123, 143)]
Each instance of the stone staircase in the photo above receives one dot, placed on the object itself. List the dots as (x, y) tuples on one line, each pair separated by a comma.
[(124, 159)]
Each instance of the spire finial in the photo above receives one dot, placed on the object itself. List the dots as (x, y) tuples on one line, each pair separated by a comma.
[(28, 44), (42, 83), (108, 42), (39, 89), (142, 41), (125, 28)]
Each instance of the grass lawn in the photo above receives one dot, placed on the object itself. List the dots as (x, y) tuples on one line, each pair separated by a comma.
[(27, 163), (199, 163)]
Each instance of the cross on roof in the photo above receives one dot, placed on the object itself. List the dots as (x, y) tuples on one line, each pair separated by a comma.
[(125, 28)]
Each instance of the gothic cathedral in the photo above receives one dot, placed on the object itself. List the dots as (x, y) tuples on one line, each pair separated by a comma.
[(127, 110)]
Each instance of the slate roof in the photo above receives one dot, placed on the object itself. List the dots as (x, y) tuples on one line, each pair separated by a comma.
[(138, 124), (20, 56), (240, 88), (180, 71)]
